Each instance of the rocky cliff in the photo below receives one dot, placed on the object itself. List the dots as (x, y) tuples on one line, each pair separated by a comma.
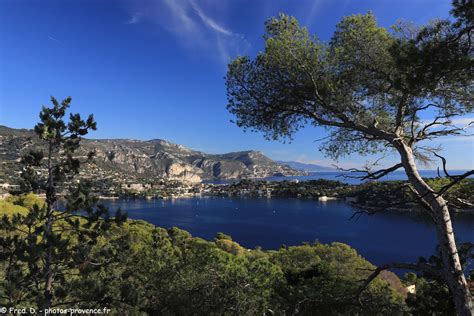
[(153, 159)]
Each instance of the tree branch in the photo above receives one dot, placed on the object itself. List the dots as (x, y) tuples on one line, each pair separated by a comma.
[(455, 178), (370, 175)]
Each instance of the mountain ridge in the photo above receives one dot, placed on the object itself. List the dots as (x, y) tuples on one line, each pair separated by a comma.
[(149, 159)]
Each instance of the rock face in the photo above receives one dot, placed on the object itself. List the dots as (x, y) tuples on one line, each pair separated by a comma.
[(152, 159)]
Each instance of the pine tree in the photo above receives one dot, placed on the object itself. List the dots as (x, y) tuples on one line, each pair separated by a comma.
[(369, 88), (49, 244)]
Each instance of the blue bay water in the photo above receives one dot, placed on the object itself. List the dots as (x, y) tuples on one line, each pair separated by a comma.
[(269, 223)]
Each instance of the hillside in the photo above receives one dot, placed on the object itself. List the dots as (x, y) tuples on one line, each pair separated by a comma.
[(126, 159)]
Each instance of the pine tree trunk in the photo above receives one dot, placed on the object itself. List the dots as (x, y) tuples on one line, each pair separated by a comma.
[(48, 270), (452, 269), (48, 285)]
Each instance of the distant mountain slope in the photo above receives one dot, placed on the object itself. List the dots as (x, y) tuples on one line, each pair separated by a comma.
[(126, 159), (305, 166)]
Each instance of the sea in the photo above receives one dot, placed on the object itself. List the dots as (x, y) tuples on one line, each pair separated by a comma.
[(273, 222)]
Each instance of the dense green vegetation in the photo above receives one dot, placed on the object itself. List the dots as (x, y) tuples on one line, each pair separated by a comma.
[(288, 189), (19, 204), (139, 268), (398, 195)]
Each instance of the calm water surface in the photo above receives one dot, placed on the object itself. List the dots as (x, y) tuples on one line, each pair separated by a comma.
[(270, 223)]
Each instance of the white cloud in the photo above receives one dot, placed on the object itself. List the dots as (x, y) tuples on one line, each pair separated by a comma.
[(192, 25), (209, 21), (180, 13)]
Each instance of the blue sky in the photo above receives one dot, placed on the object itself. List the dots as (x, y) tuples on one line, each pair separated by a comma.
[(154, 68)]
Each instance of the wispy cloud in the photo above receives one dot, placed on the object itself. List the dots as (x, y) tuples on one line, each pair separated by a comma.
[(54, 39), (209, 21), (192, 25), (312, 12), (180, 13), (134, 18)]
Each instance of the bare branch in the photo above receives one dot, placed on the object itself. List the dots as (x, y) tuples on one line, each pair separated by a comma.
[(370, 175), (455, 178), (464, 202), (448, 129)]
